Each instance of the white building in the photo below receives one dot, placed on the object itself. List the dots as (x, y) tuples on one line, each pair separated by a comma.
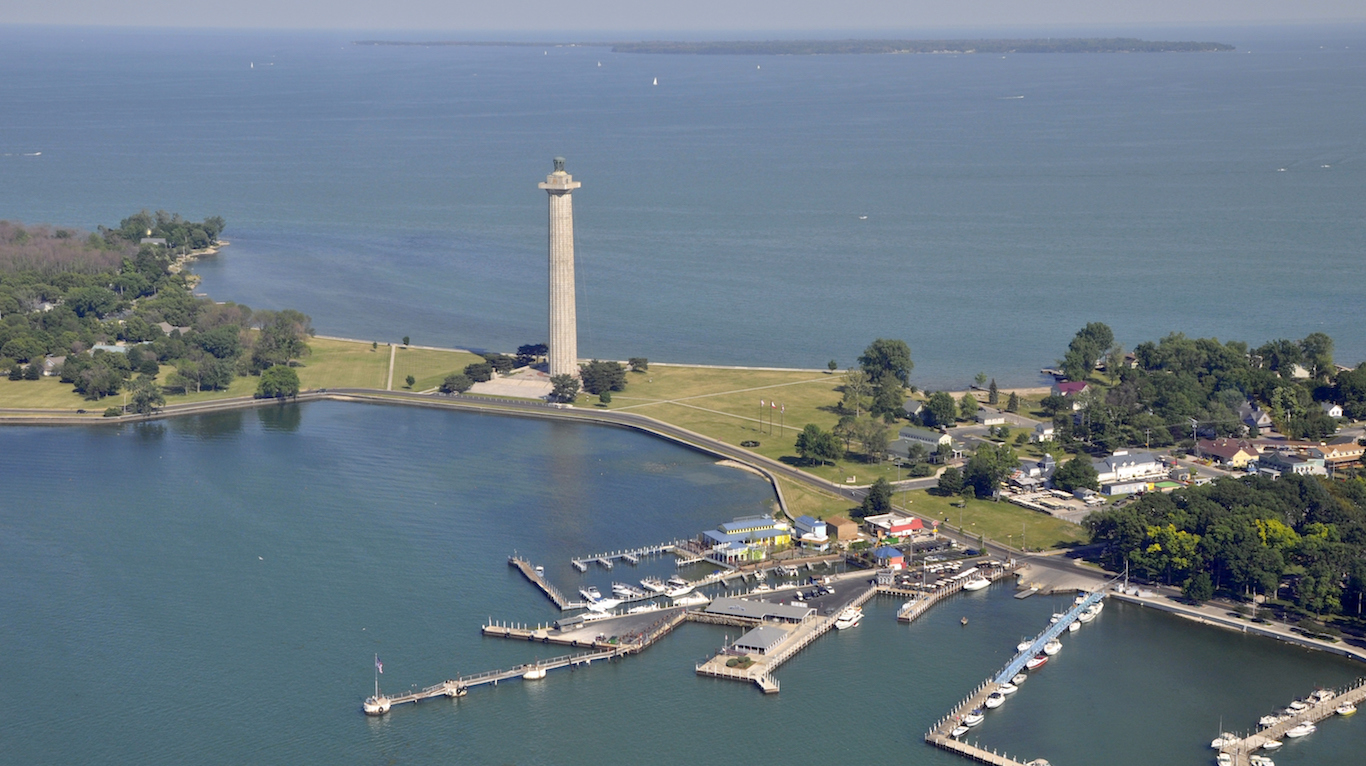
[(1125, 467)]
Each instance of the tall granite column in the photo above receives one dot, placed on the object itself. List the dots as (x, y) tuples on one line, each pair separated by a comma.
[(564, 336)]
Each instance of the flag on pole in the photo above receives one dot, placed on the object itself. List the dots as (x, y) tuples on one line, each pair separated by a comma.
[(761, 402), (773, 405), (379, 665), (783, 409)]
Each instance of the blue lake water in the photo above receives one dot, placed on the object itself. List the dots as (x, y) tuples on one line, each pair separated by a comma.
[(213, 589), (392, 191)]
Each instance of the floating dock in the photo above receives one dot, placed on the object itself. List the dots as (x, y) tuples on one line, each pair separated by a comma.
[(1242, 749)]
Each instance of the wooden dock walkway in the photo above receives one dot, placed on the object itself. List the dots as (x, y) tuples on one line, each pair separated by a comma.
[(460, 685), (1242, 749), (631, 556), (539, 581)]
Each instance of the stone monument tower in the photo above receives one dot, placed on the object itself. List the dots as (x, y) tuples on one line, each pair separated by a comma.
[(564, 334)]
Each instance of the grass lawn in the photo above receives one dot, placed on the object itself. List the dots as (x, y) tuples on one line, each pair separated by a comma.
[(428, 366), (46, 393), (803, 500), (342, 364), (1001, 521)]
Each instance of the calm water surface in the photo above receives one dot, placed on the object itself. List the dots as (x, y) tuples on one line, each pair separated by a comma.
[(212, 590), (1009, 200)]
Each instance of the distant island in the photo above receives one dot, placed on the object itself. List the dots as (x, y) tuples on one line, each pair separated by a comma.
[(829, 47)]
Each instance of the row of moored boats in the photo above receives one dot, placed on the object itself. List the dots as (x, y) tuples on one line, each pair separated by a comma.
[(1301, 729)]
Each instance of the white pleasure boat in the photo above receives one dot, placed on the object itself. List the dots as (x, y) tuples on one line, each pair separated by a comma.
[(995, 700), (1052, 647), (1302, 730), (850, 617), (976, 583)]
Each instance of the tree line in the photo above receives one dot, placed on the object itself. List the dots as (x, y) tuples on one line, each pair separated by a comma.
[(1298, 539)]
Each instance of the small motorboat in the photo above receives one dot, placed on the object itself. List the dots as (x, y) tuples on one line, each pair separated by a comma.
[(1302, 730), (976, 583), (1299, 705), (1052, 647), (1223, 739), (1260, 760), (1054, 619), (1346, 709), (677, 582), (1268, 721), (995, 700), (535, 674), (1023, 645), (1274, 744), (1007, 688), (590, 593), (958, 731), (540, 570), (973, 718), (1321, 695), (1019, 679), (1036, 662), (963, 622), (1073, 626), (652, 584), (1224, 759)]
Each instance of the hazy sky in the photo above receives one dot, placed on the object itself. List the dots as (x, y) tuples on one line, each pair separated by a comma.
[(551, 15)]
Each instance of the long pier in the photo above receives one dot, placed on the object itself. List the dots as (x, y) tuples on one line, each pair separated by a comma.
[(457, 687), (539, 581), (1242, 749), (940, 734), (460, 685)]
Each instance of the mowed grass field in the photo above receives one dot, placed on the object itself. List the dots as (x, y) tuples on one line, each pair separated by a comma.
[(724, 404), (1003, 522), (429, 366)]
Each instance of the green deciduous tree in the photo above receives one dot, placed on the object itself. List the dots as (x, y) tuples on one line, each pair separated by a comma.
[(813, 443), (878, 500), (145, 396), (456, 383), (278, 382), (639, 364), (410, 380), (892, 357), (1076, 473), (940, 410), (968, 406), (599, 376), (950, 482), (480, 372)]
